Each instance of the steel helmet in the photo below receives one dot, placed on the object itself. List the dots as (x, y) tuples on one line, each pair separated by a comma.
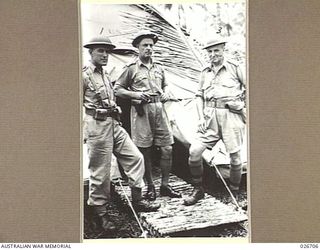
[(100, 40)]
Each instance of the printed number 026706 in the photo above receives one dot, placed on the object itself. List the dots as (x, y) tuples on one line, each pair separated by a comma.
[(306, 246)]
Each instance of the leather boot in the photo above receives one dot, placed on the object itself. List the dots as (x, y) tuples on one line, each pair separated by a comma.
[(168, 191), (196, 195), (107, 224), (103, 220), (145, 206), (151, 193), (141, 205)]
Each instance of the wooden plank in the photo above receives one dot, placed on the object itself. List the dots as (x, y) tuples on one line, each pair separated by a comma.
[(173, 216)]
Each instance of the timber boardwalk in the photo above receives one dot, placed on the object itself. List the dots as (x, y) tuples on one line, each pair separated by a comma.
[(174, 217)]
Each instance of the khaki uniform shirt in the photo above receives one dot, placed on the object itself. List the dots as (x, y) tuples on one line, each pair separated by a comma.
[(138, 77), (96, 82), (227, 82)]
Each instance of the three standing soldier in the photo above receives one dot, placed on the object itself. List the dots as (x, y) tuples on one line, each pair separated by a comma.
[(144, 82), (104, 136), (221, 108)]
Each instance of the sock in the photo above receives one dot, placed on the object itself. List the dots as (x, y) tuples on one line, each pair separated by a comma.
[(235, 176), (196, 170), (165, 165)]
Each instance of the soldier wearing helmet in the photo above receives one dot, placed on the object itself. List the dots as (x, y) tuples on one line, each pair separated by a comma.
[(220, 102), (143, 81), (104, 136)]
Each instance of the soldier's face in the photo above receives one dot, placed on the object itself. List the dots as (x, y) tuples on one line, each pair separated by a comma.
[(215, 53), (146, 48), (99, 56)]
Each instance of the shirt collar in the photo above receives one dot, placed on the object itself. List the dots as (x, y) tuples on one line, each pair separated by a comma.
[(141, 63), (223, 65), (93, 67)]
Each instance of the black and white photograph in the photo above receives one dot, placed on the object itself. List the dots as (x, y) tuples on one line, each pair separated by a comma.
[(165, 134)]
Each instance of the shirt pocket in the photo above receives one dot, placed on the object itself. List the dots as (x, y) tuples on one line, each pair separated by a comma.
[(140, 82), (208, 81), (158, 79), (88, 83), (228, 80)]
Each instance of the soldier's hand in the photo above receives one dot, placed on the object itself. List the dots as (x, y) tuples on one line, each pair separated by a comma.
[(165, 97), (202, 127), (141, 96)]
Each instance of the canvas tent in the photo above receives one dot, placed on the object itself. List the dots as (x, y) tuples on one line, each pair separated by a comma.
[(181, 61)]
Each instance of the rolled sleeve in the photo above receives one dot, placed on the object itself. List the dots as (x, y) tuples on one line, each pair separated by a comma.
[(241, 73), (199, 92), (124, 80), (164, 83), (84, 83)]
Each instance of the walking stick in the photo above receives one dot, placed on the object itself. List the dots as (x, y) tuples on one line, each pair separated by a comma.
[(225, 184)]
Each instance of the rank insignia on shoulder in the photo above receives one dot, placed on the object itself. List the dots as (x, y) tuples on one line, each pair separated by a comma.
[(84, 68), (131, 63)]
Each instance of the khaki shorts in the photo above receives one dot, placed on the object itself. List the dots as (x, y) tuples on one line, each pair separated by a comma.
[(152, 128), (225, 125)]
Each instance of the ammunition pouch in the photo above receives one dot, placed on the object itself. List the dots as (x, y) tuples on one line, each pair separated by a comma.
[(116, 113)]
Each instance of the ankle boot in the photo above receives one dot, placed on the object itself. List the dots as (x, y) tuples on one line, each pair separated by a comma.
[(196, 195), (151, 193), (141, 205), (103, 219), (106, 224), (168, 191)]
